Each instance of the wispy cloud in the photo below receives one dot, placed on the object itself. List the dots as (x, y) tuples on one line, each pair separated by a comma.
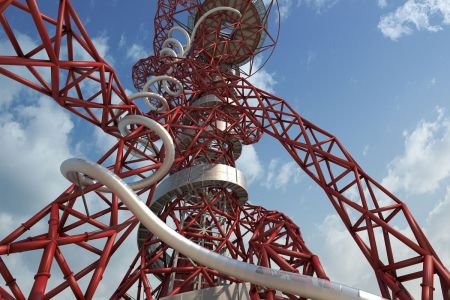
[(366, 150), (318, 5), (438, 219), (382, 3), (277, 175), (433, 81), (102, 46), (425, 162), (136, 52), (35, 140), (262, 79), (427, 15), (36, 137), (122, 41), (280, 175), (422, 167), (250, 164), (285, 8)]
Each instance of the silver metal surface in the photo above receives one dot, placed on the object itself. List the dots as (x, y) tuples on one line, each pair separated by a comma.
[(234, 291), (205, 16), (169, 156), (262, 14), (292, 283), (194, 178), (207, 100)]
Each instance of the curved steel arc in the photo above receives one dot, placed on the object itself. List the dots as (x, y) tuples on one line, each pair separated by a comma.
[(293, 283), (316, 151), (59, 34), (320, 155)]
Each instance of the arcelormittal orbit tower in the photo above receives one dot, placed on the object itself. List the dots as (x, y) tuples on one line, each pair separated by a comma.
[(172, 173)]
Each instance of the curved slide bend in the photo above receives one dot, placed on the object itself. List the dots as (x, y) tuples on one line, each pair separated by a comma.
[(291, 283), (287, 282)]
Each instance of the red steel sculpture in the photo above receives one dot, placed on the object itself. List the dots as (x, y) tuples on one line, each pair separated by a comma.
[(196, 87)]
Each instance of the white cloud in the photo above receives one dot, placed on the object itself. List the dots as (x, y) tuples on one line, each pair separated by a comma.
[(366, 150), (382, 3), (318, 5), (285, 8), (276, 175), (10, 89), (34, 143), (311, 57), (136, 52), (344, 262), (415, 14), (280, 175), (426, 158), (35, 140), (249, 163), (438, 223), (122, 41), (420, 169), (262, 79), (433, 82), (102, 46), (342, 259)]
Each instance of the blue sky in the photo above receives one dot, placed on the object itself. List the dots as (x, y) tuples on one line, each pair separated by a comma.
[(374, 73)]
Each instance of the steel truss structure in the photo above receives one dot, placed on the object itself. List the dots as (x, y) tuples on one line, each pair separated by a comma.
[(210, 110)]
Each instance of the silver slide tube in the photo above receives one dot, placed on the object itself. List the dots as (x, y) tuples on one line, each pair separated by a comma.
[(206, 15), (169, 156), (287, 282)]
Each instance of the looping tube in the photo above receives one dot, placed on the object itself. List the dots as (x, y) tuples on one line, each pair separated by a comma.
[(80, 179), (292, 283), (146, 94), (150, 95), (207, 14), (166, 51)]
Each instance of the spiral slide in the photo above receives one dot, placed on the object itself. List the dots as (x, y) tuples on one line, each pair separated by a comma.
[(292, 283), (76, 170)]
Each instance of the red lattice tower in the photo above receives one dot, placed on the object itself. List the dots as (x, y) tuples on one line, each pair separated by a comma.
[(210, 110)]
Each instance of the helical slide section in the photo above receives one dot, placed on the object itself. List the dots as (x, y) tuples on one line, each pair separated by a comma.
[(84, 172), (169, 157), (147, 94), (206, 15), (287, 282), (166, 51)]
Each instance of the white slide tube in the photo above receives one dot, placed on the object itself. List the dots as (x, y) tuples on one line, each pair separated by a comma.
[(206, 15), (291, 283), (183, 50), (169, 157)]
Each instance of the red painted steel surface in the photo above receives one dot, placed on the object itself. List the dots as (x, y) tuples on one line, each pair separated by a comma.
[(248, 233), (99, 229)]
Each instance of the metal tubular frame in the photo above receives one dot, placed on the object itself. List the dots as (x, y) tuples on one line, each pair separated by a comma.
[(281, 247), (369, 217), (67, 74)]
